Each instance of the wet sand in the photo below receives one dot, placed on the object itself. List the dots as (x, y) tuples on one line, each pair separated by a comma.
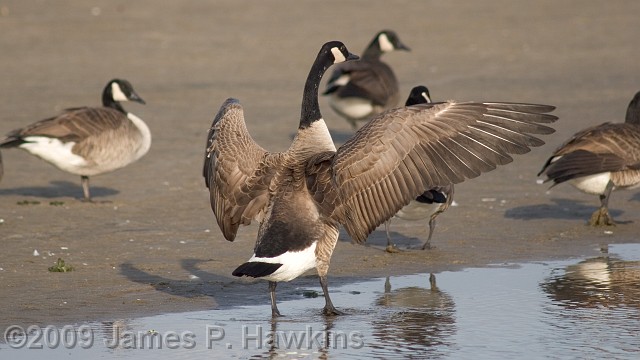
[(150, 243)]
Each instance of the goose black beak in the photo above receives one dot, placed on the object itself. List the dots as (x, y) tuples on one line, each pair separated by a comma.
[(135, 97), (352, 57)]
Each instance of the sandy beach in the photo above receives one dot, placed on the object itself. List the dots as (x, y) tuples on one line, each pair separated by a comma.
[(150, 245)]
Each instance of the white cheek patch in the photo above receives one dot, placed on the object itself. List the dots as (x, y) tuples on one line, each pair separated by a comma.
[(117, 93), (426, 97), (385, 44), (337, 55)]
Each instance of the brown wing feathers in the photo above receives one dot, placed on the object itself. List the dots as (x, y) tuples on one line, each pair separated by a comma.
[(601, 148), (581, 163), (392, 159), (74, 124), (236, 170)]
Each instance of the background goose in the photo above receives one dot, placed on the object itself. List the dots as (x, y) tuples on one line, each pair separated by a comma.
[(88, 141), (361, 89), (600, 159), (302, 196), (430, 203)]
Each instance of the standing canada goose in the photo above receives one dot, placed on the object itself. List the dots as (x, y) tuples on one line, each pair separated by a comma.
[(88, 141), (600, 159), (302, 195), (432, 202), (361, 89)]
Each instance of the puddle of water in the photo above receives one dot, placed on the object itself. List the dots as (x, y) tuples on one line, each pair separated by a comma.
[(569, 309)]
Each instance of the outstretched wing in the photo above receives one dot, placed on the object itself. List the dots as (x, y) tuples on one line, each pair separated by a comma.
[(236, 170), (401, 152)]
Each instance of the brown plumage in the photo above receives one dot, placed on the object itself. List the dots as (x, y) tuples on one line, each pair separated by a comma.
[(302, 196), (432, 202), (600, 159)]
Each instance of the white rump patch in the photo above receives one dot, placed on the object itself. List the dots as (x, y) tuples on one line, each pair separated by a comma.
[(593, 184), (294, 263), (337, 55), (117, 93), (385, 44), (56, 152)]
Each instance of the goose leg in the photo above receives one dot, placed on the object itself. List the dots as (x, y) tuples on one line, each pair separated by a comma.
[(432, 226), (601, 216), (272, 294), (85, 188), (329, 309), (353, 123), (432, 282), (390, 247)]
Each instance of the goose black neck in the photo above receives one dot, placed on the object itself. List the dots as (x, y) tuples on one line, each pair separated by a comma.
[(310, 106), (633, 111), (107, 99), (372, 51)]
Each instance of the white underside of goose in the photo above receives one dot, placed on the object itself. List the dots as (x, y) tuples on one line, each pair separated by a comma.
[(60, 153), (416, 210), (56, 152), (294, 263), (352, 107), (593, 184)]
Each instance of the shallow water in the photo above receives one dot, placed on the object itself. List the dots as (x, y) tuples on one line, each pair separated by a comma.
[(581, 308)]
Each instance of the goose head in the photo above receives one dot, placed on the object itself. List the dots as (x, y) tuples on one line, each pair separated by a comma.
[(332, 52), (418, 95), (385, 41), (633, 110), (119, 90)]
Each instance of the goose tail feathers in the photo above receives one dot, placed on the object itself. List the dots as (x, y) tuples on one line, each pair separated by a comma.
[(256, 269)]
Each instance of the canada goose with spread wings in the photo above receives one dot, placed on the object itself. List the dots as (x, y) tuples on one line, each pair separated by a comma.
[(302, 195), (600, 159)]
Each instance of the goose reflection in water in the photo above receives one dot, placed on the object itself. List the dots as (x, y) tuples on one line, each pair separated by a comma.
[(414, 319), (596, 304), (603, 281)]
